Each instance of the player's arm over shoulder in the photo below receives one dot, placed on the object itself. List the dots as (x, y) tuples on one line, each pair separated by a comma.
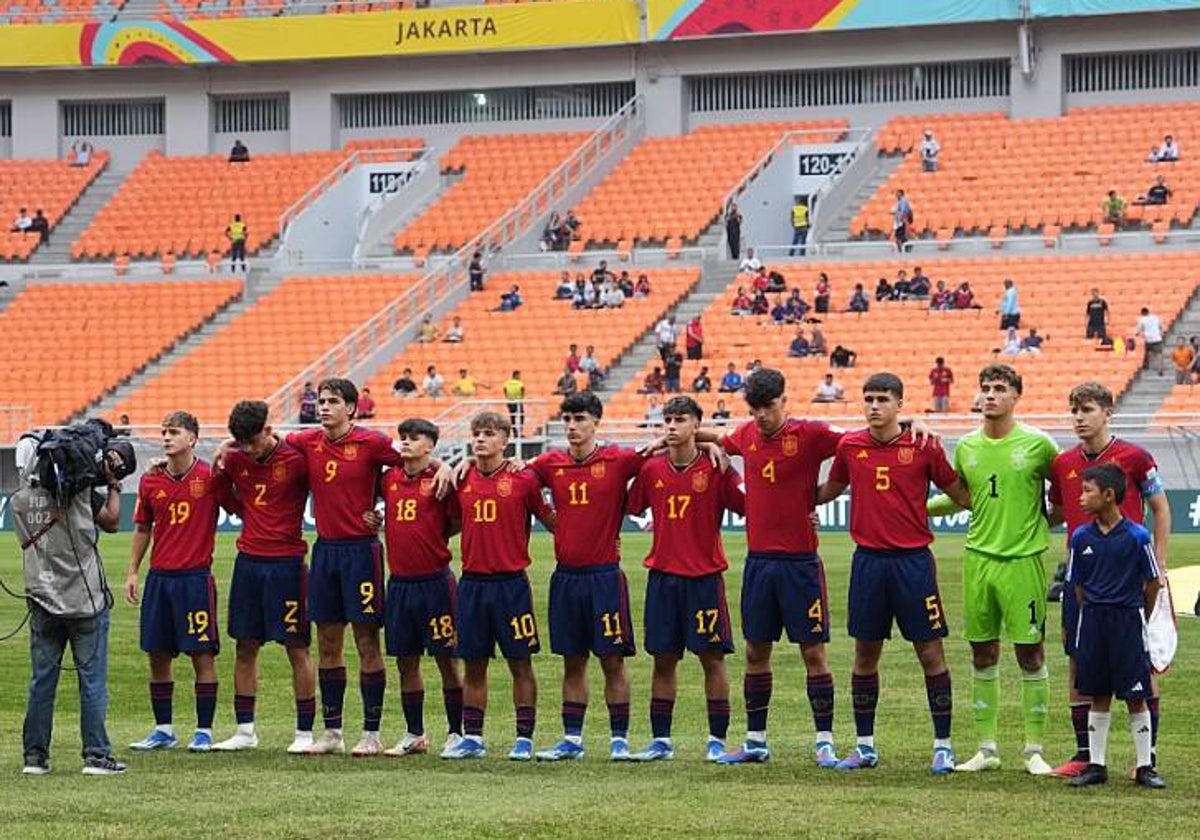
[(732, 495), (536, 502)]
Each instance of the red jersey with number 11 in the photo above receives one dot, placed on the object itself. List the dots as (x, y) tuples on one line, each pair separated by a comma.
[(182, 514)]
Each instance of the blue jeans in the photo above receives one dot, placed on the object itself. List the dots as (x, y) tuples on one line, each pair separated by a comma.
[(799, 237), (48, 639)]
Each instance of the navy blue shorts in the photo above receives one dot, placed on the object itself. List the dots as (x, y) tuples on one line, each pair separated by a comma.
[(267, 600), (589, 611), (683, 612), (1070, 618), (179, 613), (346, 582), (496, 610), (420, 615), (1110, 653), (784, 592), (900, 585)]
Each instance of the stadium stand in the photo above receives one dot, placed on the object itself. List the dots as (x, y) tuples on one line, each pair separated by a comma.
[(76, 341), (532, 339), (697, 171), (51, 185), (498, 170), (996, 174), (20, 12), (261, 349), (906, 336)]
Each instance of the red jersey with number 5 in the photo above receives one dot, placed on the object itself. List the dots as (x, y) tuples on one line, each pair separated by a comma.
[(496, 524), (342, 475), (182, 515), (688, 505), (781, 482), (889, 484), (271, 496), (416, 525), (1141, 480), (589, 500)]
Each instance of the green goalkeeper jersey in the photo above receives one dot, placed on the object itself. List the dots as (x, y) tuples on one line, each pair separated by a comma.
[(1007, 479)]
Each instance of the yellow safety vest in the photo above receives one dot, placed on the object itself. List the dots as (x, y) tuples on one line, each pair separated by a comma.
[(237, 230), (800, 216), (514, 389)]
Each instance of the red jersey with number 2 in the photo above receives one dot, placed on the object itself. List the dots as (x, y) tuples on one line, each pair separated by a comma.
[(416, 525), (496, 524), (342, 475), (271, 497), (182, 515)]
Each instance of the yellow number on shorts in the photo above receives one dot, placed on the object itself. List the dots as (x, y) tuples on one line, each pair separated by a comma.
[(366, 591), (260, 494), (406, 510), (197, 622), (816, 611), (331, 468), (180, 512), (441, 628), (612, 624), (485, 510), (934, 607), (523, 627), (291, 610), (677, 505), (579, 492), (706, 621), (883, 481), (768, 471)]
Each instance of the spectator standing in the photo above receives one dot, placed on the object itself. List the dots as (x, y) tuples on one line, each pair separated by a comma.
[(81, 152), (693, 339), (941, 378), (721, 415), (573, 359), (405, 386), (236, 232), (366, 405), (308, 404), (673, 369), (1012, 343), (476, 272), (929, 151), (731, 382), (239, 153), (1183, 356), (433, 382), (589, 365), (822, 293), (654, 412), (702, 384), (456, 333), (514, 393), (40, 225), (1114, 208), (733, 230), (799, 226), (902, 219), (829, 391), (1149, 327), (665, 334), (1010, 307)]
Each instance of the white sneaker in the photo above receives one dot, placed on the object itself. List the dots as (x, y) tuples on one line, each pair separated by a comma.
[(1037, 766), (329, 743), (301, 744), (409, 745), (241, 740), (453, 740), (368, 746), (982, 760)]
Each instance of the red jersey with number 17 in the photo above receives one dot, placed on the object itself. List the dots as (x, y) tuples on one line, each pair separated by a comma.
[(589, 500), (342, 475), (181, 512), (889, 484), (271, 495), (781, 482), (688, 505), (416, 524), (1141, 480), (496, 511)]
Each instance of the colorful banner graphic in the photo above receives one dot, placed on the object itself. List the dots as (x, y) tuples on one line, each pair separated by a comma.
[(298, 37)]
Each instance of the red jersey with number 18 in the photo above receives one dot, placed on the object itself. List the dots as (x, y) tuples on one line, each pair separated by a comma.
[(496, 511), (688, 505), (271, 495), (342, 475), (416, 524), (889, 484), (182, 514), (589, 498)]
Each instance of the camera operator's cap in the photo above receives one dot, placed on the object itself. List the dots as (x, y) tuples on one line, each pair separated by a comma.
[(26, 455), (123, 450)]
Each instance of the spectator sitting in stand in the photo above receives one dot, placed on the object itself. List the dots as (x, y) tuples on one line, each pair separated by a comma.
[(1158, 194), (942, 298), (1168, 152), (859, 302), (625, 284), (797, 307), (582, 298), (900, 288), (1114, 208), (565, 290), (776, 282), (918, 284), (654, 413), (467, 385), (239, 153), (1012, 343), (816, 344), (829, 391), (702, 384), (731, 382), (589, 365), (799, 347), (721, 415), (760, 282), (612, 297), (654, 383), (1032, 343), (432, 386), (40, 225), (81, 152), (405, 386), (549, 240), (760, 306), (455, 334), (566, 385), (601, 274), (366, 405), (779, 312), (883, 290), (642, 289), (510, 300), (751, 264), (842, 357), (964, 298), (22, 222), (822, 294), (742, 305), (429, 331)]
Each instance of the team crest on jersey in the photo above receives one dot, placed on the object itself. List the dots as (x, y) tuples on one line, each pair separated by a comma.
[(791, 445), (350, 451), (197, 488), (904, 455), (504, 487), (426, 487), (598, 470), (700, 482), (279, 472), (1019, 459)]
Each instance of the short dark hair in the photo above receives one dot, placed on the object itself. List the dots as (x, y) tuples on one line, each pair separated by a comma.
[(889, 382), (1107, 477), (491, 420), (1091, 392), (344, 388), (683, 405), (247, 419), (764, 385), (183, 420), (418, 427), (1002, 373), (584, 402)]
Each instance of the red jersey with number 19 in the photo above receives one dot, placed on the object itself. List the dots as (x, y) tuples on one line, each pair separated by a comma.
[(417, 525), (496, 511), (688, 505), (889, 484), (589, 497), (781, 482), (342, 475), (1141, 480), (182, 514), (271, 495)]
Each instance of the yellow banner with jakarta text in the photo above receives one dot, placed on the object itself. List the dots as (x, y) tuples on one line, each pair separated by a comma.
[(297, 37)]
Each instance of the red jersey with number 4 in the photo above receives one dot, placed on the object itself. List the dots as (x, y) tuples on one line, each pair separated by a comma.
[(1141, 480), (889, 484), (182, 515), (781, 482), (589, 498), (688, 505), (342, 475), (271, 496), (416, 524), (496, 524)]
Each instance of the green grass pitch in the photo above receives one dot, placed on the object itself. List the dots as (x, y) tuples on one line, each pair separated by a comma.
[(268, 794)]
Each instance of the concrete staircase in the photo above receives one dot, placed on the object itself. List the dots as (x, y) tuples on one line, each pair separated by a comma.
[(839, 228), (98, 193), (1149, 390)]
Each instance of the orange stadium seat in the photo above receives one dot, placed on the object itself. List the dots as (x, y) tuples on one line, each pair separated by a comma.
[(65, 11), (905, 336), (264, 347), (696, 171), (50, 185), (498, 170), (532, 339), (1039, 174), (63, 336)]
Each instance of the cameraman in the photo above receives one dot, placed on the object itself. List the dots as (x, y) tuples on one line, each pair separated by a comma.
[(69, 601)]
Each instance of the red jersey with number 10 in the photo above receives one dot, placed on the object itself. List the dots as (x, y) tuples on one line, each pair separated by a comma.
[(889, 485), (182, 514), (688, 505), (271, 495), (1066, 482), (496, 511), (589, 498), (342, 475), (417, 526)]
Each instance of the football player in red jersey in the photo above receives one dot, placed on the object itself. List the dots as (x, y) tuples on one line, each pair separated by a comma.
[(177, 510), (267, 594), (1091, 410), (894, 575), (686, 608)]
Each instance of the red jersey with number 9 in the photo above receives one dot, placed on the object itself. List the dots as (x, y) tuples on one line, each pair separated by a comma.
[(342, 475), (417, 525), (182, 515)]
